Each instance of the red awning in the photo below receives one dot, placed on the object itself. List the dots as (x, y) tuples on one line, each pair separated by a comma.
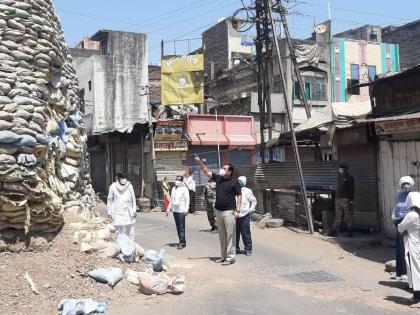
[(231, 130)]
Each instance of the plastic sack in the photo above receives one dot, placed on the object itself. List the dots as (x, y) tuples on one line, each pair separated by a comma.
[(9, 137), (149, 284), (177, 285), (26, 141), (155, 259), (63, 131), (127, 246), (110, 276), (27, 159), (132, 276), (81, 306)]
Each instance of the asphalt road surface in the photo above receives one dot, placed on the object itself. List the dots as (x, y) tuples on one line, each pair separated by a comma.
[(289, 273)]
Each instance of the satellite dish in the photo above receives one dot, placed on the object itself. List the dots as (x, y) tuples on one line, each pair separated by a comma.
[(321, 28)]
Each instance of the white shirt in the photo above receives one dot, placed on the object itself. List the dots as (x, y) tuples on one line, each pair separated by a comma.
[(190, 183), (121, 203), (180, 200), (249, 202), (411, 226)]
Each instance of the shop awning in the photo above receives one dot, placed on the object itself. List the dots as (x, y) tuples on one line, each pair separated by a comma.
[(226, 130)]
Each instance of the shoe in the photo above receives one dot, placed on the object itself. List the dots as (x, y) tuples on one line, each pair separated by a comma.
[(248, 253), (181, 246), (220, 261), (238, 252), (332, 233), (393, 276), (213, 229), (350, 233), (228, 262)]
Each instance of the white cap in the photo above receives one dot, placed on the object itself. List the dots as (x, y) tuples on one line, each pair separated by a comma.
[(413, 199), (406, 180), (242, 179)]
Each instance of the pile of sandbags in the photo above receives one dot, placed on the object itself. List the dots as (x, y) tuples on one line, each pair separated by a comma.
[(43, 156)]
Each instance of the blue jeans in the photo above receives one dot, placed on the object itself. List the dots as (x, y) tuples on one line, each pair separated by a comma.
[(243, 229), (180, 227), (401, 267)]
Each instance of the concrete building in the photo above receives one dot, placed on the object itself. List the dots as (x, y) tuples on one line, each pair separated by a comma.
[(113, 80), (408, 38), (369, 33)]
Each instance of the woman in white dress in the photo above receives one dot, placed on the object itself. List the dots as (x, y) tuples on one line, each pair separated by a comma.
[(410, 228), (121, 205)]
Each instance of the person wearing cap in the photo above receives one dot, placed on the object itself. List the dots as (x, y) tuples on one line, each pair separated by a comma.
[(410, 228), (121, 206), (178, 205), (406, 185), (344, 197), (243, 222)]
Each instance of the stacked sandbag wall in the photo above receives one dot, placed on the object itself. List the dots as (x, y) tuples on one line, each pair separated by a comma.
[(44, 168)]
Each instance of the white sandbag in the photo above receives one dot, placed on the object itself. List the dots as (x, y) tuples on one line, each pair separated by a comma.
[(127, 246), (85, 247), (132, 276), (9, 137), (155, 259), (140, 251), (177, 285), (7, 149), (111, 250), (5, 125), (110, 276), (149, 284), (103, 234)]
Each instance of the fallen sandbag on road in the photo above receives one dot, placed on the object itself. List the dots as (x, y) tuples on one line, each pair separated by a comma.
[(110, 276), (82, 306), (127, 246), (155, 259), (149, 284)]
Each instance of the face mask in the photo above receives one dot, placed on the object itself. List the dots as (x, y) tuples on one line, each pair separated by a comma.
[(341, 170), (406, 187), (123, 181), (241, 184), (178, 183), (222, 172)]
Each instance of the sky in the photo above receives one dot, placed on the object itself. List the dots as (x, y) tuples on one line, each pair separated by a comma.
[(187, 19)]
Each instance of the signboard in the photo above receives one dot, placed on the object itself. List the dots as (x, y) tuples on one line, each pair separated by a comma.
[(397, 126), (278, 154), (169, 130), (182, 80), (171, 145)]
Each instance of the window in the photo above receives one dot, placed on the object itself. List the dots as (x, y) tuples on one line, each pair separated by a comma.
[(372, 73), (355, 79), (90, 85), (373, 37), (103, 47), (315, 88)]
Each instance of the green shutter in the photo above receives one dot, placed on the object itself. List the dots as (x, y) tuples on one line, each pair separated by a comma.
[(308, 90), (296, 91)]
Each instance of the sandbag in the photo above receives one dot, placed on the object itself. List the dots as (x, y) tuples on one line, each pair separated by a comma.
[(155, 259), (139, 251), (6, 159), (149, 284), (81, 306), (111, 250), (9, 137), (26, 141), (177, 285), (110, 276), (132, 276), (127, 246), (8, 149), (27, 160), (5, 125)]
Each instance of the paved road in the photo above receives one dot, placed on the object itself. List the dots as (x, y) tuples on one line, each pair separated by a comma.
[(280, 278)]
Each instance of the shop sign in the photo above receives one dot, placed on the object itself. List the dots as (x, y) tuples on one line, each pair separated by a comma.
[(171, 145), (171, 130), (397, 126)]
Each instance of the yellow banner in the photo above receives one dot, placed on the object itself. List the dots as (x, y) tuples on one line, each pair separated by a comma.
[(182, 88), (173, 64)]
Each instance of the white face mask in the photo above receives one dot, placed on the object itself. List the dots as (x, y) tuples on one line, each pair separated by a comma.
[(222, 172), (178, 183), (341, 170), (123, 181)]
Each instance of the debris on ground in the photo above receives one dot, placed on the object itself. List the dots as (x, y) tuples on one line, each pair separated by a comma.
[(31, 283), (390, 266), (155, 259), (267, 221), (82, 306), (110, 276)]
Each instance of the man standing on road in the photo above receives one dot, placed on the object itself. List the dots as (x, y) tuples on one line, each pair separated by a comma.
[(344, 197), (190, 183), (121, 205), (228, 204)]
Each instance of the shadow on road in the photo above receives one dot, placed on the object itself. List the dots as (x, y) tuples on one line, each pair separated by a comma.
[(396, 284), (399, 300), (202, 258), (172, 244)]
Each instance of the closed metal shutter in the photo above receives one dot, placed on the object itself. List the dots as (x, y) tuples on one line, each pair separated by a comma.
[(97, 169), (363, 167)]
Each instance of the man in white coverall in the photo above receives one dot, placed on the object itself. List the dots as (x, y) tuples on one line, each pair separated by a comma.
[(121, 205)]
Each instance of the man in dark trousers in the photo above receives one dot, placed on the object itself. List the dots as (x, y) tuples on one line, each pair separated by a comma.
[(228, 205), (344, 197), (190, 183)]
